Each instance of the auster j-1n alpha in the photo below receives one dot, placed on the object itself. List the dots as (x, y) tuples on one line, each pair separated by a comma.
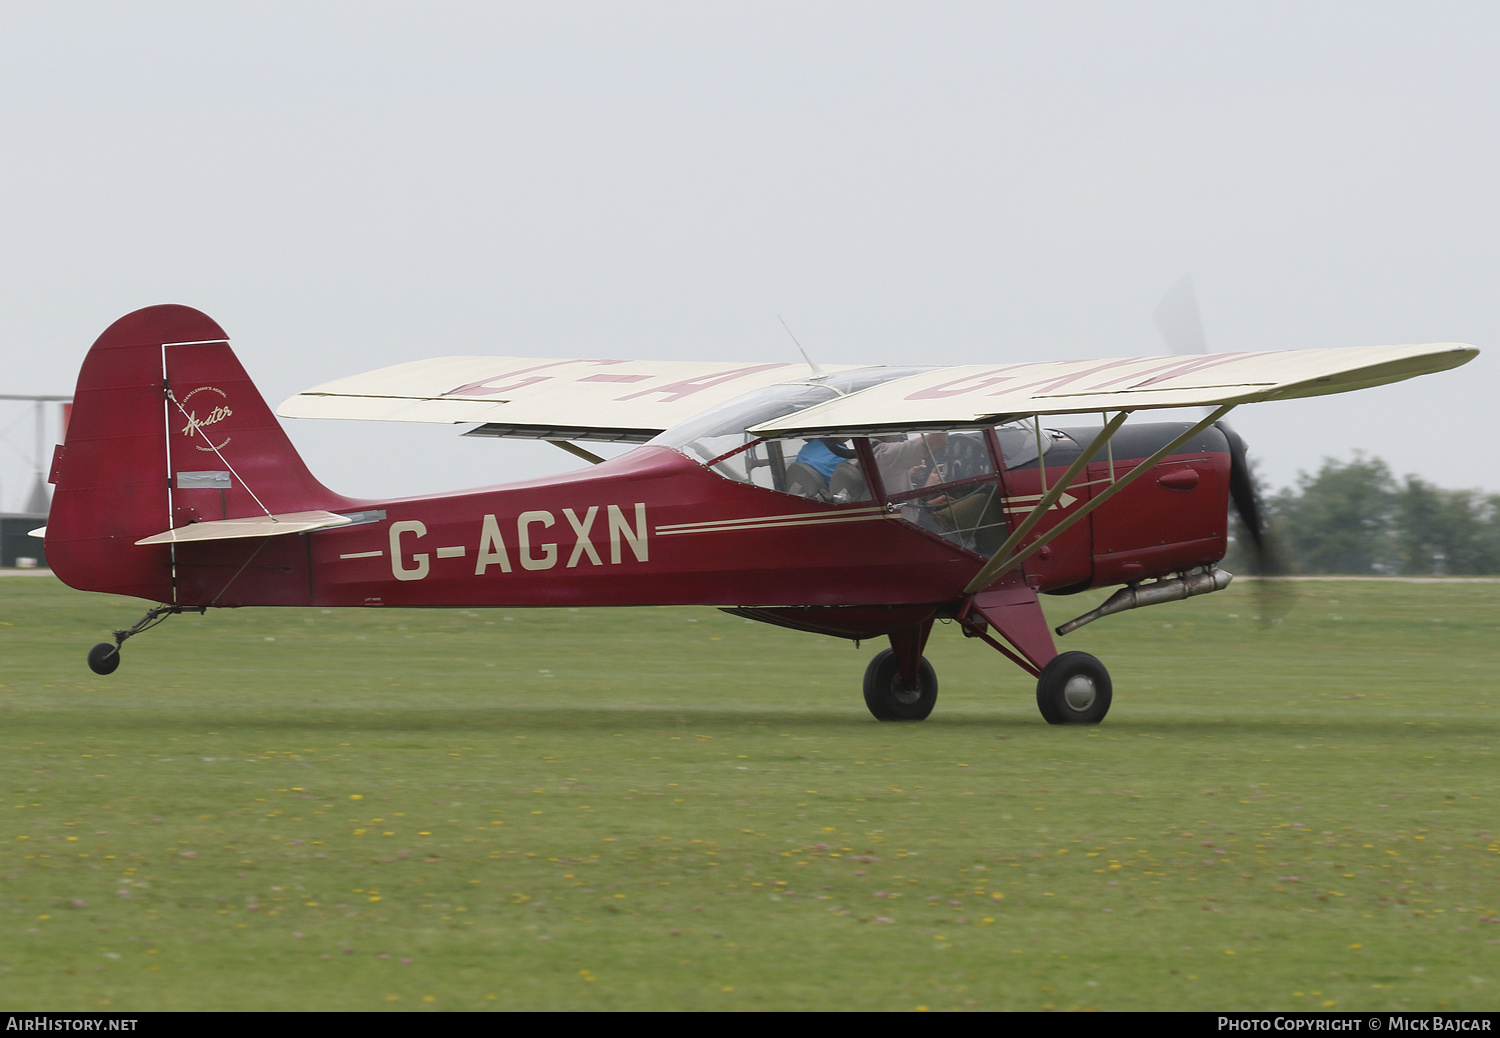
[(857, 502)]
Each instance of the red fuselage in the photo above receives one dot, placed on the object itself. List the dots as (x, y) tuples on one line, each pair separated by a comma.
[(656, 528)]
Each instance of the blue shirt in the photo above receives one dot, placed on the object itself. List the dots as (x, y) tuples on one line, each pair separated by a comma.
[(815, 454)]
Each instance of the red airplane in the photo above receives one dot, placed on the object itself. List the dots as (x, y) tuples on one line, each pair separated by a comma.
[(857, 502)]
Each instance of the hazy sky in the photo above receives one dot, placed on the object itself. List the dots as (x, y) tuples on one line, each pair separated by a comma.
[(349, 185)]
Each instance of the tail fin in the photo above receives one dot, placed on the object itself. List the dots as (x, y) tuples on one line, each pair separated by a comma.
[(166, 429)]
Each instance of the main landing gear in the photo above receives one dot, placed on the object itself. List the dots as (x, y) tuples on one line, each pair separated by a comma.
[(104, 658), (1071, 687), (900, 685), (1074, 689), (892, 697)]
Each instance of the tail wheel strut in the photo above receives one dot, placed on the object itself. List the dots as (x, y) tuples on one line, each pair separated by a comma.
[(104, 658)]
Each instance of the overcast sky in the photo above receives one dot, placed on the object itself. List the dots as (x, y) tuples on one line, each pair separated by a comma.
[(349, 185)]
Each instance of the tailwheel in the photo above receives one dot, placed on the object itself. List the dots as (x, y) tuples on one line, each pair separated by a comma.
[(1074, 689), (890, 697), (104, 658)]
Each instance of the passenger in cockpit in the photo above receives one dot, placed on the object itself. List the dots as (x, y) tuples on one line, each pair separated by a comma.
[(812, 474), (825, 455)]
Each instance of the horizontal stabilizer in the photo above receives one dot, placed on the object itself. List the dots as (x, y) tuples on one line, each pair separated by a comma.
[(252, 526)]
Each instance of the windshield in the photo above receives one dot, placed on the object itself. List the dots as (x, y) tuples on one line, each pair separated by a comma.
[(1018, 443), (720, 430), (942, 481)]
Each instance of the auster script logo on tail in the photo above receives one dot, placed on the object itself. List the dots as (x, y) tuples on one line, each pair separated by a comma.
[(217, 413)]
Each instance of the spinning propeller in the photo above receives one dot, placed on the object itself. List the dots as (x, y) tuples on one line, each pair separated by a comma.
[(1180, 321)]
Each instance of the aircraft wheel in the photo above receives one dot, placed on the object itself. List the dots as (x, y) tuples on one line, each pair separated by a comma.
[(886, 695), (1074, 689), (104, 658)]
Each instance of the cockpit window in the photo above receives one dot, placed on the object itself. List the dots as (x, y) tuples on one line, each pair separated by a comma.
[(916, 460), (819, 469), (718, 431), (1018, 443), (944, 482)]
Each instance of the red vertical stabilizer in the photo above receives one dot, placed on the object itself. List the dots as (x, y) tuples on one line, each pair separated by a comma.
[(166, 430)]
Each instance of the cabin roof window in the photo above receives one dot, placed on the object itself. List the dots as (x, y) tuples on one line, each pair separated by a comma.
[(821, 469)]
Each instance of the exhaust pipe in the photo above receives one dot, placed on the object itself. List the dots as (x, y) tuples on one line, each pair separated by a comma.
[(1171, 589)]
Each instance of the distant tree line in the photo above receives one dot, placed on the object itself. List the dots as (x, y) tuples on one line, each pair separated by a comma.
[(1354, 517)]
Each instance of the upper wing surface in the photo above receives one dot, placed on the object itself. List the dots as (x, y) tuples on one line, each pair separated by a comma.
[(980, 394), (541, 397), (635, 400)]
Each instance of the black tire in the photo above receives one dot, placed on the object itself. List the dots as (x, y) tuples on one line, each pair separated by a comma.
[(886, 697), (1074, 689), (104, 658)]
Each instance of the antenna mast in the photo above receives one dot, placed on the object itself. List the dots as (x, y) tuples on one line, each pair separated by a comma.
[(817, 372)]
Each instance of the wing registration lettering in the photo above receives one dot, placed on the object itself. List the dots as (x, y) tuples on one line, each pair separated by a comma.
[(981, 380), (1179, 367), (980, 394), (675, 391), (535, 397), (482, 387)]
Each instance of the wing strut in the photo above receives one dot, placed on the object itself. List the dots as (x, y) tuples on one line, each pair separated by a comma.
[(1003, 561), (578, 452), (986, 576)]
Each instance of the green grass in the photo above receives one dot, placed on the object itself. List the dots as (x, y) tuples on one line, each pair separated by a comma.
[(676, 808)]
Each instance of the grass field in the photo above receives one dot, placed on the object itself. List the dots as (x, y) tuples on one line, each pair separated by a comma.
[(677, 808)]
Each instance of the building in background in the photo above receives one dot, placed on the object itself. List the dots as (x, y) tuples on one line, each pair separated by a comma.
[(28, 491), (15, 542)]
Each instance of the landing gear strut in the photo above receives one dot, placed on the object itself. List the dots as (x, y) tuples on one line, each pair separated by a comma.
[(104, 658)]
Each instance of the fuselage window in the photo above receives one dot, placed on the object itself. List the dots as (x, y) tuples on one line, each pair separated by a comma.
[(945, 483), (820, 469)]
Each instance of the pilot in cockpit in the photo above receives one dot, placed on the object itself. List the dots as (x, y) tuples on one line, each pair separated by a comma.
[(909, 462)]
